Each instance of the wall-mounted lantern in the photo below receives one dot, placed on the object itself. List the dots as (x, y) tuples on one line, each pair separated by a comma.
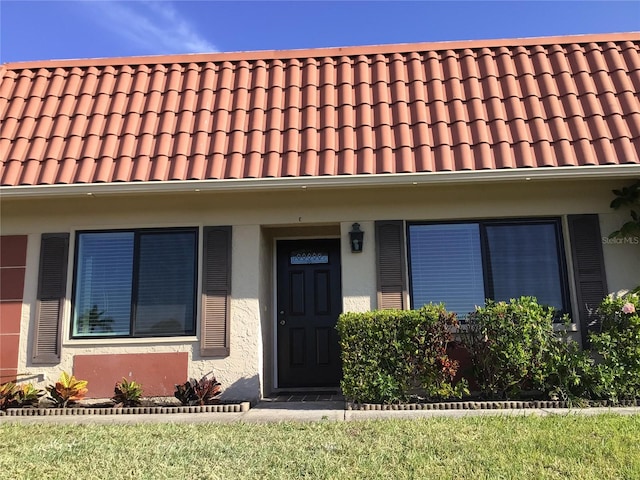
[(356, 237)]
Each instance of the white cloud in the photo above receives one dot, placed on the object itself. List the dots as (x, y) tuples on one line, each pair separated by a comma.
[(155, 27)]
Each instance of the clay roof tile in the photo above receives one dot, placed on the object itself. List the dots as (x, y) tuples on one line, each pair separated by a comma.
[(449, 106)]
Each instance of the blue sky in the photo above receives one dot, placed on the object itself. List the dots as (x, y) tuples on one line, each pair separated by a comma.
[(39, 30)]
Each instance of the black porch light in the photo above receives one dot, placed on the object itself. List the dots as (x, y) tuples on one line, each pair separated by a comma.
[(356, 237)]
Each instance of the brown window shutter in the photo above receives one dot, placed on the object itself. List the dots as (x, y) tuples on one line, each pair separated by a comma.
[(588, 268), (52, 285), (216, 292), (390, 262)]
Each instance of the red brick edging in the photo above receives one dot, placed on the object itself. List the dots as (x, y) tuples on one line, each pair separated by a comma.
[(38, 412), (490, 405)]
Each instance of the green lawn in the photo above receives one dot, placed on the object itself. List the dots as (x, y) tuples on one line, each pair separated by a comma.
[(600, 447)]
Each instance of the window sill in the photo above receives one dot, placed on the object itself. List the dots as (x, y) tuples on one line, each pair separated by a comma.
[(80, 342), (560, 327), (557, 327)]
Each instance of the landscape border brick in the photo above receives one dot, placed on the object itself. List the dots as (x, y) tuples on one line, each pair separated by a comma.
[(37, 412), (489, 405)]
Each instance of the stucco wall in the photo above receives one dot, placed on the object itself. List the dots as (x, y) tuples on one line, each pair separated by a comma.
[(358, 270), (621, 256), (257, 218)]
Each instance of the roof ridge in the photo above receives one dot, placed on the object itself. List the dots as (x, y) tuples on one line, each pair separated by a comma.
[(323, 52)]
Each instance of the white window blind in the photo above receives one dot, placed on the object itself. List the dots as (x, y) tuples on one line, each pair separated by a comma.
[(446, 266), (103, 284)]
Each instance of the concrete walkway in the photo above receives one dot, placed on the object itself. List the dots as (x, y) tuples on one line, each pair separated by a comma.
[(266, 412)]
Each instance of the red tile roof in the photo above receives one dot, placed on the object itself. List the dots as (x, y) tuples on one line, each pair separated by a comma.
[(445, 107)]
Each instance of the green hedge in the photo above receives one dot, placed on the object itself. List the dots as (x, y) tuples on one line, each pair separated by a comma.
[(514, 350), (617, 346), (393, 355), (390, 355)]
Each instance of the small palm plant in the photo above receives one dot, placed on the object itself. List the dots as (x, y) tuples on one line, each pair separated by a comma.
[(94, 321), (12, 395), (67, 390), (202, 392), (7, 395), (28, 394), (127, 394)]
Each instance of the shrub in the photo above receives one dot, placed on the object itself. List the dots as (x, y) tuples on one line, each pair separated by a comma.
[(617, 374), (514, 350), (28, 394), (7, 395), (388, 355), (67, 390), (202, 392), (12, 395), (569, 371), (127, 394)]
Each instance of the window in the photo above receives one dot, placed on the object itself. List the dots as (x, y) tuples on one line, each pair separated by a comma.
[(135, 283), (308, 257), (461, 264)]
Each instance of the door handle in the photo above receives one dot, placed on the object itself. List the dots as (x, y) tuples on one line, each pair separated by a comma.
[(282, 322)]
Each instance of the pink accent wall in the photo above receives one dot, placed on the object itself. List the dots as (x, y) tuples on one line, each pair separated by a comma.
[(13, 259), (157, 372)]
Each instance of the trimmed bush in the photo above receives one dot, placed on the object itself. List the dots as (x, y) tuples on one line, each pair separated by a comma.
[(515, 350), (617, 374), (389, 356), (569, 371)]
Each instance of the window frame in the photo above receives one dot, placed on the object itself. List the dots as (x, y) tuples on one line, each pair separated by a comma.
[(134, 281), (487, 274)]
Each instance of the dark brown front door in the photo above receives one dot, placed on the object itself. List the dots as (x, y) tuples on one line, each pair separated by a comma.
[(309, 302)]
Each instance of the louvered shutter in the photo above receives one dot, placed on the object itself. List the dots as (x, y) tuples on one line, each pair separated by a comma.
[(390, 263), (216, 292), (52, 283), (588, 268)]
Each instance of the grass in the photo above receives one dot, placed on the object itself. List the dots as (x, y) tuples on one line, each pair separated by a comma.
[(575, 447)]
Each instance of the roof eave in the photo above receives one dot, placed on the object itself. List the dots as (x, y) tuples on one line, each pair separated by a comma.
[(326, 51), (324, 182)]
